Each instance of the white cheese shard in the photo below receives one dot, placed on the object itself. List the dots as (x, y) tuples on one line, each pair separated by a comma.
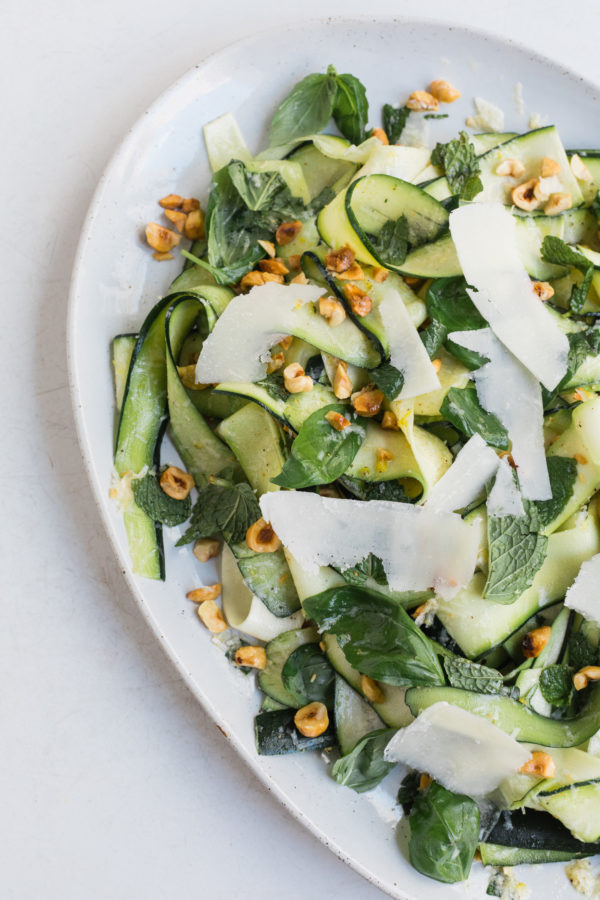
[(466, 478), (400, 162), (248, 328), (506, 389), (489, 116), (583, 596), (485, 237), (419, 549), (504, 499), (406, 349), (466, 753)]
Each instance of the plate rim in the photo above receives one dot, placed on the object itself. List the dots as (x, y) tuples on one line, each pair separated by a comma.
[(92, 211)]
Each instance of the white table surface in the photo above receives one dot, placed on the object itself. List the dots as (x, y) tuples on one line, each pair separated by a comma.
[(113, 782)]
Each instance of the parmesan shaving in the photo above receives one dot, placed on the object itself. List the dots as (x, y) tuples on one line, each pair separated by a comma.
[(504, 498), (419, 549), (406, 349), (248, 328), (506, 389), (486, 243), (466, 478), (583, 596), (462, 751), (489, 116)]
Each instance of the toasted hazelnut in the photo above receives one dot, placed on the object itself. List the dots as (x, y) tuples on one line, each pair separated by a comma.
[(253, 657), (205, 549), (342, 386), (383, 456), (582, 678), (367, 402), (271, 276), (354, 273), (422, 101), (541, 765), (543, 290), (189, 204), (360, 302), (389, 421), (287, 231), (261, 538), (332, 310), (425, 781), (524, 197), (371, 689), (171, 201), (176, 217), (512, 167), (534, 641), (443, 91), (160, 238), (161, 257), (211, 616), (295, 379), (268, 247), (300, 278), (558, 203), (286, 342), (580, 458), (380, 274), (337, 420), (312, 720), (380, 134), (294, 260), (436, 363), (340, 260), (194, 228), (176, 483), (273, 266), (201, 595), (251, 279), (275, 363), (549, 167)]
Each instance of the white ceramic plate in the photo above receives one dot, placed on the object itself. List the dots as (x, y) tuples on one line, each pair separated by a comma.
[(116, 281)]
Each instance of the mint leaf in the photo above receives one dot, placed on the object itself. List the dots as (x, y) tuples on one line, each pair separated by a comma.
[(556, 251), (394, 120), (444, 833), (365, 766), (229, 511), (370, 567), (470, 676), (388, 379), (581, 651), (515, 555), (579, 292), (150, 497), (375, 490), (264, 191), (351, 108), (274, 386), (320, 453), (391, 243), (562, 472), (306, 110), (461, 165), (462, 409), (376, 635), (556, 685)]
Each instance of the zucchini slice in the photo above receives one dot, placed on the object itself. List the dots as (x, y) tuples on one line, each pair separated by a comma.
[(122, 351), (354, 717), (278, 650)]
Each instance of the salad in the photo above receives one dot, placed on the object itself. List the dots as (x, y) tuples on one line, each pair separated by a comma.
[(379, 371)]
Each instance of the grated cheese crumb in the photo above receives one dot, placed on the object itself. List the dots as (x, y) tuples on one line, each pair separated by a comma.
[(581, 876), (505, 885)]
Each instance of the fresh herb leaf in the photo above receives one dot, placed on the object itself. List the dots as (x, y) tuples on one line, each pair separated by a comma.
[(581, 651), (462, 409), (470, 676), (306, 110), (376, 635), (451, 309), (307, 674), (434, 337), (461, 165), (435, 116), (388, 379), (150, 497), (277, 734), (364, 767), (229, 511), (274, 386), (579, 292), (375, 490), (351, 108), (315, 367), (515, 555), (391, 243), (556, 251), (394, 120), (444, 832), (408, 791), (370, 567), (556, 685), (562, 472), (264, 191), (320, 453)]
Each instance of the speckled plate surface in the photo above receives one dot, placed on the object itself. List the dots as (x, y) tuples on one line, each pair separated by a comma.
[(116, 281)]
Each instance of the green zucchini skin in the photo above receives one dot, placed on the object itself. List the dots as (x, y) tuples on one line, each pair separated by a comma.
[(276, 734), (514, 718), (537, 831), (278, 651), (499, 855)]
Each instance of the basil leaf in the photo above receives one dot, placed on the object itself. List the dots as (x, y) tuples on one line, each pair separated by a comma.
[(470, 676), (306, 110), (375, 490), (394, 121), (364, 767), (581, 651), (408, 791), (444, 833), (556, 685), (450, 307), (275, 387), (320, 453), (226, 510), (391, 243), (388, 379), (462, 409), (232, 232), (264, 191), (150, 497), (351, 108), (308, 676), (562, 472), (434, 337), (376, 635), (370, 567), (515, 555), (461, 165)]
